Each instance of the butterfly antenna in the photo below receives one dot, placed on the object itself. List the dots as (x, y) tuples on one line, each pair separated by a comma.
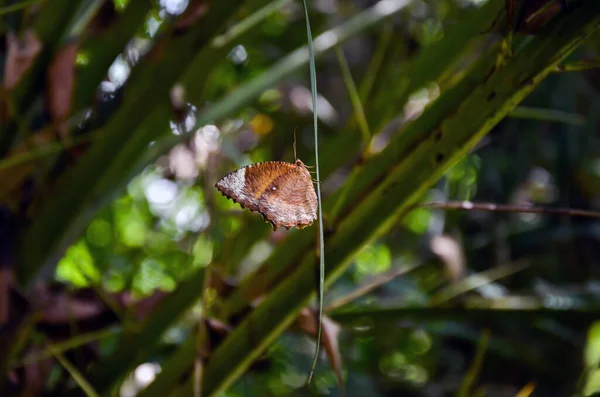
[(295, 155)]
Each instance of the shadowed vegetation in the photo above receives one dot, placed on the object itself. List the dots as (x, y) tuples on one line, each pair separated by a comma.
[(123, 271)]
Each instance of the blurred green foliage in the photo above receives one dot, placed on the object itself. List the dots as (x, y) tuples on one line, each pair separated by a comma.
[(163, 251)]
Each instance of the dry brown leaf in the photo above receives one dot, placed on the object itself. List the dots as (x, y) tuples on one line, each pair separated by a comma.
[(451, 253), (61, 80), (20, 54), (307, 321), (62, 308), (178, 104)]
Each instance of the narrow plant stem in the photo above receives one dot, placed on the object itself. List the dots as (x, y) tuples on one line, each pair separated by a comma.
[(365, 289), (359, 112), (374, 66), (520, 209), (248, 23), (17, 7), (473, 282), (471, 377), (75, 374), (61, 347), (202, 337), (337, 208), (579, 66), (541, 114), (313, 86), (47, 150)]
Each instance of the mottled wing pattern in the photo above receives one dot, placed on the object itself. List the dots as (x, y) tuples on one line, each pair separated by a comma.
[(247, 184), (282, 192), (290, 200)]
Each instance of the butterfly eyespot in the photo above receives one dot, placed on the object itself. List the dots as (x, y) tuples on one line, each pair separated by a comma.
[(274, 188)]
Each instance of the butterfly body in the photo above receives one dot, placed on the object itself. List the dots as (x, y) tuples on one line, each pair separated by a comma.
[(283, 193)]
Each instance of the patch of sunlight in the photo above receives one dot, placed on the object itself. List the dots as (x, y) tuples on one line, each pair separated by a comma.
[(133, 234), (161, 192), (174, 7), (202, 251), (82, 58), (420, 342), (419, 100), (417, 220), (120, 4), (119, 71), (77, 266), (393, 365), (238, 54), (141, 377), (114, 281), (151, 276), (373, 259)]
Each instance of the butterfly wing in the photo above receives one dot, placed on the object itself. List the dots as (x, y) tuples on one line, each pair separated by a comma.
[(247, 184), (290, 200)]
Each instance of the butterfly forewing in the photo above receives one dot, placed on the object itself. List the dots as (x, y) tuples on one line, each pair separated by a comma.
[(246, 184)]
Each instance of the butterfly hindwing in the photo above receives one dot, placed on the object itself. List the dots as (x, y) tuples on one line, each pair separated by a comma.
[(290, 200)]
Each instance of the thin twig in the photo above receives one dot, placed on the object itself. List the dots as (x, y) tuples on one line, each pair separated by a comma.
[(521, 209), (365, 289), (77, 376), (17, 7), (359, 111), (578, 66), (202, 337), (62, 347)]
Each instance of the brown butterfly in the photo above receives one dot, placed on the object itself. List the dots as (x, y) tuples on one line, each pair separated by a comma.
[(283, 193)]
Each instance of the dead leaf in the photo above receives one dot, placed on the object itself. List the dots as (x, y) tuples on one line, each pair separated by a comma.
[(62, 308), (61, 80), (143, 307), (451, 253), (307, 321), (178, 104), (20, 55)]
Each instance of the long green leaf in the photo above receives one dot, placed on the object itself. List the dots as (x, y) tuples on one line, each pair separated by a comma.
[(134, 348), (445, 132), (321, 287), (102, 173), (287, 257)]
